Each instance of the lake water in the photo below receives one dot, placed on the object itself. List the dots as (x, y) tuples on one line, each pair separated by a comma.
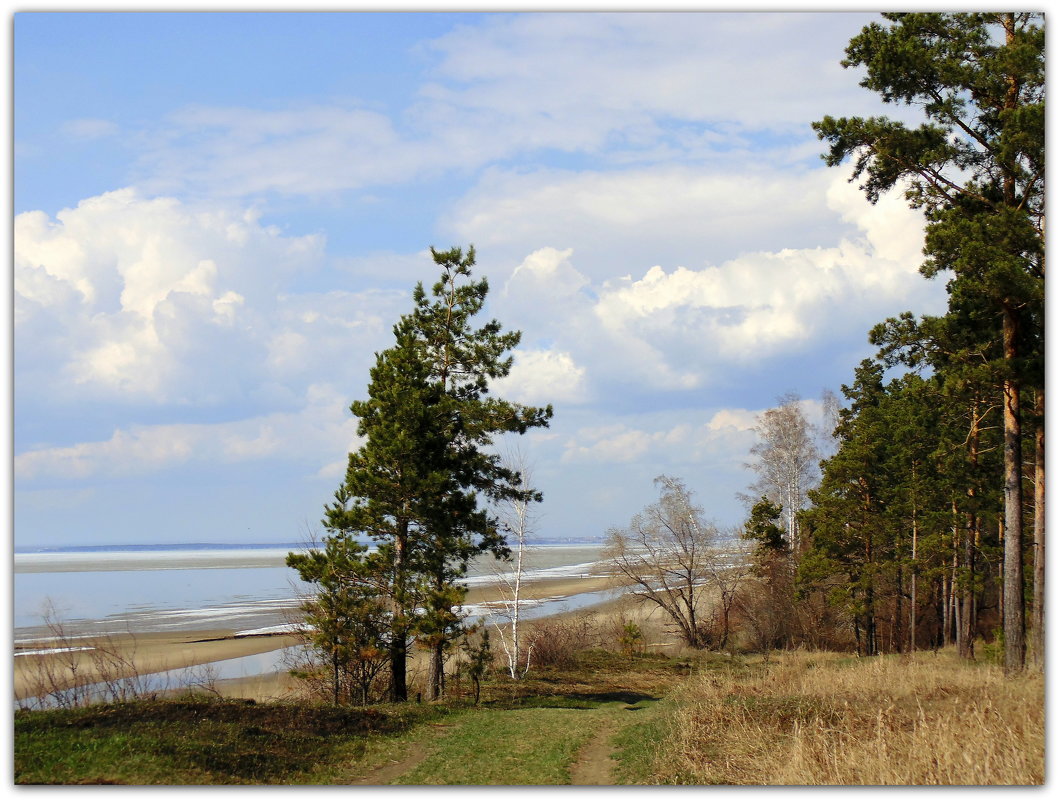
[(181, 588)]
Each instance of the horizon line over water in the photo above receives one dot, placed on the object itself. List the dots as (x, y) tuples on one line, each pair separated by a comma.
[(205, 546)]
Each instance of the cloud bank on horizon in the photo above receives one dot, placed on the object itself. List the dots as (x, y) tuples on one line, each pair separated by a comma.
[(212, 241)]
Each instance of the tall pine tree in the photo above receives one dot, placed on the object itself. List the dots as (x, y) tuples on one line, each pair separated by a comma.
[(395, 484), (417, 483), (462, 360)]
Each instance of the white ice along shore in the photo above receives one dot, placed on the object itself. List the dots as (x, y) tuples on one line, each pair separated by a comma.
[(46, 651)]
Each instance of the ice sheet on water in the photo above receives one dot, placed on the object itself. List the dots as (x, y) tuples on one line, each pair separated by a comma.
[(203, 559), (583, 570), (115, 592), (287, 628)]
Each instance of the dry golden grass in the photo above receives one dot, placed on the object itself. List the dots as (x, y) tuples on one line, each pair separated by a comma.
[(824, 719)]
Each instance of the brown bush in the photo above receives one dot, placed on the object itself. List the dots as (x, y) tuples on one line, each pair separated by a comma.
[(555, 642)]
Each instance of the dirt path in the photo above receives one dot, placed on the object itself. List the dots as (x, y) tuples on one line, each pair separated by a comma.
[(594, 763), (593, 766), (384, 774), (416, 753)]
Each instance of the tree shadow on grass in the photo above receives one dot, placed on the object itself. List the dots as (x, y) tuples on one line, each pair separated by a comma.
[(577, 700)]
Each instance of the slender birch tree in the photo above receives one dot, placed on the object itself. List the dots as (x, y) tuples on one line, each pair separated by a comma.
[(518, 520), (786, 462)]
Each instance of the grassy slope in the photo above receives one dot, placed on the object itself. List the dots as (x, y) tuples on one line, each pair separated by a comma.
[(202, 741), (545, 719), (800, 719)]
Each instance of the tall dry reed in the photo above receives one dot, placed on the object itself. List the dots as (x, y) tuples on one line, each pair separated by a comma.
[(75, 671), (823, 719)]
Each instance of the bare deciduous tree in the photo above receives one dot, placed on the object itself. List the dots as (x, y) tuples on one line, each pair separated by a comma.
[(671, 556), (726, 574), (68, 671)]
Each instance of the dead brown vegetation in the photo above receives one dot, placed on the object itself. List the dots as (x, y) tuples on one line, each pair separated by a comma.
[(824, 719)]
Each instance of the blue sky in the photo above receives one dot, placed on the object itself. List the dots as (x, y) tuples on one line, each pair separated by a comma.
[(219, 217)]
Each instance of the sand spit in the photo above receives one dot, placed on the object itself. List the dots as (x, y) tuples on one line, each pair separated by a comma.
[(160, 651)]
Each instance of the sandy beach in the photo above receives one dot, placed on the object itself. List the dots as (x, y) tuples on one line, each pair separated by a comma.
[(153, 651)]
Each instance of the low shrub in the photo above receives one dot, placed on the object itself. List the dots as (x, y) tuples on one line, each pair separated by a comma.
[(556, 642)]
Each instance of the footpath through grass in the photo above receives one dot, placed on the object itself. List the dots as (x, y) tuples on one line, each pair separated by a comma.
[(507, 746), (526, 732)]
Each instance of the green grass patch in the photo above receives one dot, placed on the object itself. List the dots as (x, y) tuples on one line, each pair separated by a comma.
[(201, 742), (637, 742), (548, 702)]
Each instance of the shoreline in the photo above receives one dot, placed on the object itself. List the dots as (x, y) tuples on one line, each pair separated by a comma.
[(153, 652)]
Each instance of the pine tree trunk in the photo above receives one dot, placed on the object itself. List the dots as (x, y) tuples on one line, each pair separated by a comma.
[(1000, 573), (870, 643), (951, 624), (1038, 533), (398, 665), (954, 623), (946, 610), (870, 636), (1014, 606), (334, 677), (913, 601), (437, 671), (968, 602), (957, 607), (898, 616), (399, 634)]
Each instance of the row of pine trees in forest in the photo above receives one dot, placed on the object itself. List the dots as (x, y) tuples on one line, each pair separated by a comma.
[(926, 527)]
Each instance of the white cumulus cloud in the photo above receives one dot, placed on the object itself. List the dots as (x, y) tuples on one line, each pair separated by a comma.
[(629, 88), (687, 327), (313, 434), (618, 219), (687, 439), (542, 377), (158, 300)]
